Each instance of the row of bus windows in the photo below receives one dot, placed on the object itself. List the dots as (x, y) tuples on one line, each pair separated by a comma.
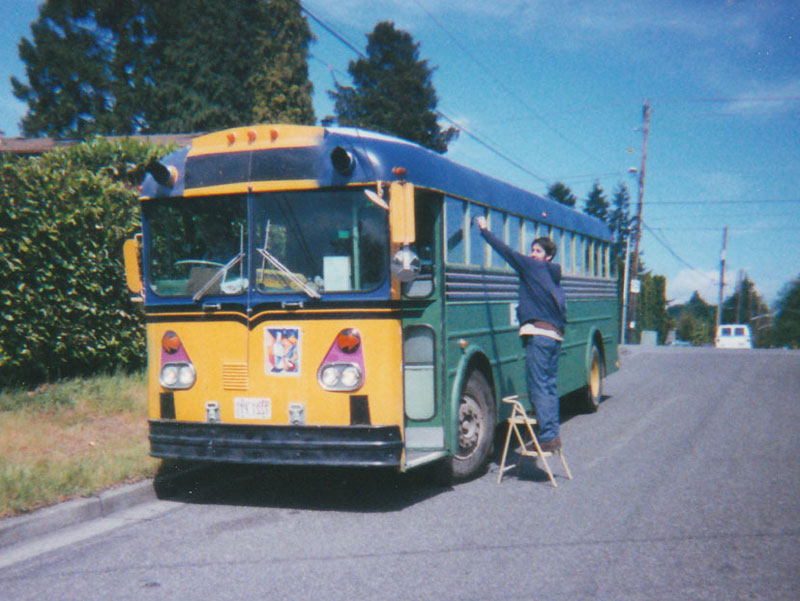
[(577, 254)]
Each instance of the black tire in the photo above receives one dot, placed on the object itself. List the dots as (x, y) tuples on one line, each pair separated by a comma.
[(477, 417), (593, 391)]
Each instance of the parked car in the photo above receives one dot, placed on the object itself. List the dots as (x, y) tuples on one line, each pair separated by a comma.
[(734, 335)]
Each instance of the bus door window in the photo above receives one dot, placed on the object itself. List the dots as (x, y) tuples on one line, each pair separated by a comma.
[(427, 206)]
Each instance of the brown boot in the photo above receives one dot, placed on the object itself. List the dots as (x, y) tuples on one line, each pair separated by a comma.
[(551, 446)]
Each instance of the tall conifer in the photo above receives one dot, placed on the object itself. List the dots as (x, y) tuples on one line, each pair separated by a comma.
[(392, 91)]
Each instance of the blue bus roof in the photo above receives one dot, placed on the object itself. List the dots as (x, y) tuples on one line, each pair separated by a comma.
[(374, 158)]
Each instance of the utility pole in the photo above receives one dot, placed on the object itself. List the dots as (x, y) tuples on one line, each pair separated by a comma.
[(625, 284), (637, 229), (722, 273)]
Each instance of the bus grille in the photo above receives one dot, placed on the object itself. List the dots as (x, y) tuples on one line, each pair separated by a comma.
[(234, 376)]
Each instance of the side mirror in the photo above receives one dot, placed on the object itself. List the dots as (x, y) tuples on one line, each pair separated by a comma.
[(405, 265), (133, 270)]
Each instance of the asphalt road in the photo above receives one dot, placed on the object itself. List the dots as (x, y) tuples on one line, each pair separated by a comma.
[(685, 487)]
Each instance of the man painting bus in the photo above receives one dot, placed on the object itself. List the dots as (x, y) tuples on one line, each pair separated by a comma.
[(542, 315)]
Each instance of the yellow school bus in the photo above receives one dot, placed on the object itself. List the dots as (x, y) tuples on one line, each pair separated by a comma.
[(311, 299)]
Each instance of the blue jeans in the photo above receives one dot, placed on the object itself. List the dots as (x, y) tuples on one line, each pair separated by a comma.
[(541, 369)]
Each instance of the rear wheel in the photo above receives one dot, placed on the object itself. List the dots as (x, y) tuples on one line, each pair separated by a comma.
[(476, 426), (594, 387)]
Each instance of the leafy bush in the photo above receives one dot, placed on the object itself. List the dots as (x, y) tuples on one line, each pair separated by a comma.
[(64, 307)]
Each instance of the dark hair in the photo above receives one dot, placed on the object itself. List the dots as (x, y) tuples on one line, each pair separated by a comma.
[(550, 248)]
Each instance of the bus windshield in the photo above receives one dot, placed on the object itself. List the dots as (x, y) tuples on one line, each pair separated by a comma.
[(312, 243)]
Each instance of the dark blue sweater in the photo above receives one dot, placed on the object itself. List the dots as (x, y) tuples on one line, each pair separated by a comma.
[(540, 295)]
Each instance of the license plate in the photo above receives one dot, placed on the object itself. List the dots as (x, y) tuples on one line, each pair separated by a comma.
[(252, 408)]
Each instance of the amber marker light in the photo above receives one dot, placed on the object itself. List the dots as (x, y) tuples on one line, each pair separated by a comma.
[(231, 137), (170, 342), (399, 171), (273, 135), (349, 340), (251, 136)]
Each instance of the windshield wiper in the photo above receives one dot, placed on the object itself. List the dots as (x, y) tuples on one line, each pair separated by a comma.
[(218, 275), (285, 271)]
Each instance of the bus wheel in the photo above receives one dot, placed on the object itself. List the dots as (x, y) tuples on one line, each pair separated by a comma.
[(594, 387), (476, 425)]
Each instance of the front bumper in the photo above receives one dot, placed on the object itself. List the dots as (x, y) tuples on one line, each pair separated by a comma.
[(373, 446)]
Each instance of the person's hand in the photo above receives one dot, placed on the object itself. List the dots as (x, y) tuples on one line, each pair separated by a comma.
[(481, 223)]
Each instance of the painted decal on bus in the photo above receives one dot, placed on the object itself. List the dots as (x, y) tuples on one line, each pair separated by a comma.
[(282, 351)]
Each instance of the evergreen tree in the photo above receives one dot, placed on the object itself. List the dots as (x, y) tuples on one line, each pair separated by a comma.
[(619, 221), (392, 91), (128, 66), (281, 90), (202, 64), (560, 192), (83, 68), (596, 203), (786, 330), (651, 307), (744, 304)]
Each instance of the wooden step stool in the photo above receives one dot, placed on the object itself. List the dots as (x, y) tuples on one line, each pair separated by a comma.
[(516, 420)]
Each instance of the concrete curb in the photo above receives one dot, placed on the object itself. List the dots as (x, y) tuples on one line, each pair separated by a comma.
[(14, 530)]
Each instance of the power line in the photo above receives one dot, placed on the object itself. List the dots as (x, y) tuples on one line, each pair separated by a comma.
[(491, 148), (322, 24), (486, 145), (719, 202), (674, 254), (504, 87)]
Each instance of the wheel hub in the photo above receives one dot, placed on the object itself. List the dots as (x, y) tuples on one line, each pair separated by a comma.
[(470, 423)]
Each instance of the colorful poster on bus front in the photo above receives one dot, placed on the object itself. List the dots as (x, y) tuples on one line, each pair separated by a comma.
[(282, 351)]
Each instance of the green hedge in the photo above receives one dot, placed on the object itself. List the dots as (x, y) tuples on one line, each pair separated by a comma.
[(64, 307)]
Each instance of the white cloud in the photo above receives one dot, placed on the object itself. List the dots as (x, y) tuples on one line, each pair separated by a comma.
[(682, 286)]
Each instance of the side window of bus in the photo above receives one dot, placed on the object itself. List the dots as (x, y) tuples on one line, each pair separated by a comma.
[(577, 253), (598, 259), (588, 262), (514, 226), (530, 236), (566, 252), (478, 248), (555, 236), (497, 226), (454, 231)]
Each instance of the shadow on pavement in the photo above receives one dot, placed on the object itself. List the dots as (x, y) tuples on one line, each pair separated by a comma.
[(339, 489)]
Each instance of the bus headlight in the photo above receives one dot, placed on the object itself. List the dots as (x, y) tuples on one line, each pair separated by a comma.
[(350, 377), (340, 376), (178, 376)]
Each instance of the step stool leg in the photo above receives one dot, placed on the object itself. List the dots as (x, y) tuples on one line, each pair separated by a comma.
[(505, 454), (564, 463)]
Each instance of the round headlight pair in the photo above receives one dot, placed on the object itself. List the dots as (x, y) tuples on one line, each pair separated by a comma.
[(340, 376), (178, 376)]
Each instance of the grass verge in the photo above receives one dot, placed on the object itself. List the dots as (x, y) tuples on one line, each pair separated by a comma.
[(70, 439)]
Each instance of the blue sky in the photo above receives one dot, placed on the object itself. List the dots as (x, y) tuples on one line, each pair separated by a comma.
[(558, 88)]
